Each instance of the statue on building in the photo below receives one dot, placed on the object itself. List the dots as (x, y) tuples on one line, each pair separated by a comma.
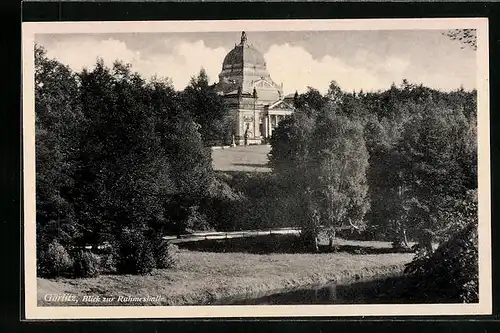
[(245, 137), (248, 133)]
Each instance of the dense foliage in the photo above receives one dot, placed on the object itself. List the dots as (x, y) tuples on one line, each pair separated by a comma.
[(121, 161), (207, 109), (54, 260), (419, 164), (451, 272), (118, 160), (86, 264), (411, 153)]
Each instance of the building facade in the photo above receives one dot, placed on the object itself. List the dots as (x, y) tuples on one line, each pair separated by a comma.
[(255, 102)]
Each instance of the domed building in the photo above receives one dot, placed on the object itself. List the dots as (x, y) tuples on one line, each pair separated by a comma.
[(254, 100)]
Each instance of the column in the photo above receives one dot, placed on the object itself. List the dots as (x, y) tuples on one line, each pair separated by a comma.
[(239, 121), (256, 126), (272, 119), (241, 127), (264, 127), (268, 126)]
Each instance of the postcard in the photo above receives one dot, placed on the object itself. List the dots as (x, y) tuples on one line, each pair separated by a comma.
[(256, 168)]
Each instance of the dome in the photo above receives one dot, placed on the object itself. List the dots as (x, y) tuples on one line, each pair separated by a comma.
[(244, 70), (243, 55)]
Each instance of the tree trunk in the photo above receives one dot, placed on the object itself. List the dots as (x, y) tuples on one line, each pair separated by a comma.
[(425, 241), (310, 241), (315, 241), (428, 245), (405, 239), (331, 242)]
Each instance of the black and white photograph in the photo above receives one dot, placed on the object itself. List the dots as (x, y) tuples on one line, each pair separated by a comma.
[(256, 168)]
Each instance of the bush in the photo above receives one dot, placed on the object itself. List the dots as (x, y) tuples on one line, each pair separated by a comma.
[(166, 254), (86, 264), (451, 272), (54, 261), (135, 253), (196, 221), (108, 262)]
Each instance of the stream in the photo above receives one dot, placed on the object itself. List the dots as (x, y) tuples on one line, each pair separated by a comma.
[(373, 290)]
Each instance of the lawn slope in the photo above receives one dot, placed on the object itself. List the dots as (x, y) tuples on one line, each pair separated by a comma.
[(203, 277)]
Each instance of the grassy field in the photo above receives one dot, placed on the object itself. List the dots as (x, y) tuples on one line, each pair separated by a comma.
[(203, 277), (241, 158)]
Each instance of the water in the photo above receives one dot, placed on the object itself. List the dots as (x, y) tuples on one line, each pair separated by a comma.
[(377, 290)]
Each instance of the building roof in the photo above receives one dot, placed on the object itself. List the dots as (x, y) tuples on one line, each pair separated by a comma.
[(243, 55), (244, 69)]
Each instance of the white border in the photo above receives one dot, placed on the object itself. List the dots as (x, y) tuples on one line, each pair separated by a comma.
[(33, 311)]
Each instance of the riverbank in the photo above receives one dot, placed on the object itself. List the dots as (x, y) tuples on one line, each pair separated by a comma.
[(204, 277)]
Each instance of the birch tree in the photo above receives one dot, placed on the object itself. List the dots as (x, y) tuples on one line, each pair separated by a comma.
[(340, 161)]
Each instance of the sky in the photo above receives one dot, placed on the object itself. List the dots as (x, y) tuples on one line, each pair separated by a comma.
[(356, 60)]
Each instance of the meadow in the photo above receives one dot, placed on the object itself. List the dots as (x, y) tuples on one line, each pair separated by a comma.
[(249, 159), (202, 277)]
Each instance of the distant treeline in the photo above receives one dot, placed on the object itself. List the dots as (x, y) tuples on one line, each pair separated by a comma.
[(401, 163)]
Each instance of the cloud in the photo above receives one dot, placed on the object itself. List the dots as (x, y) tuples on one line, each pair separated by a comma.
[(180, 65), (396, 66), (80, 53), (297, 69), (185, 61), (444, 81), (291, 65)]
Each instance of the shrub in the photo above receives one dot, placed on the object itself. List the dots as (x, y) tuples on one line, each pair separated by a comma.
[(54, 261), (166, 254), (196, 221), (451, 272), (135, 253), (86, 264), (108, 262)]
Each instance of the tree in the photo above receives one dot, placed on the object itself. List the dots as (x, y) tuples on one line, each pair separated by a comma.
[(124, 172), (290, 147), (189, 160), (290, 160), (433, 142), (310, 102), (321, 158), (392, 115), (334, 94), (385, 182), (207, 109), (467, 37), (57, 119), (113, 151), (191, 169), (339, 162)]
